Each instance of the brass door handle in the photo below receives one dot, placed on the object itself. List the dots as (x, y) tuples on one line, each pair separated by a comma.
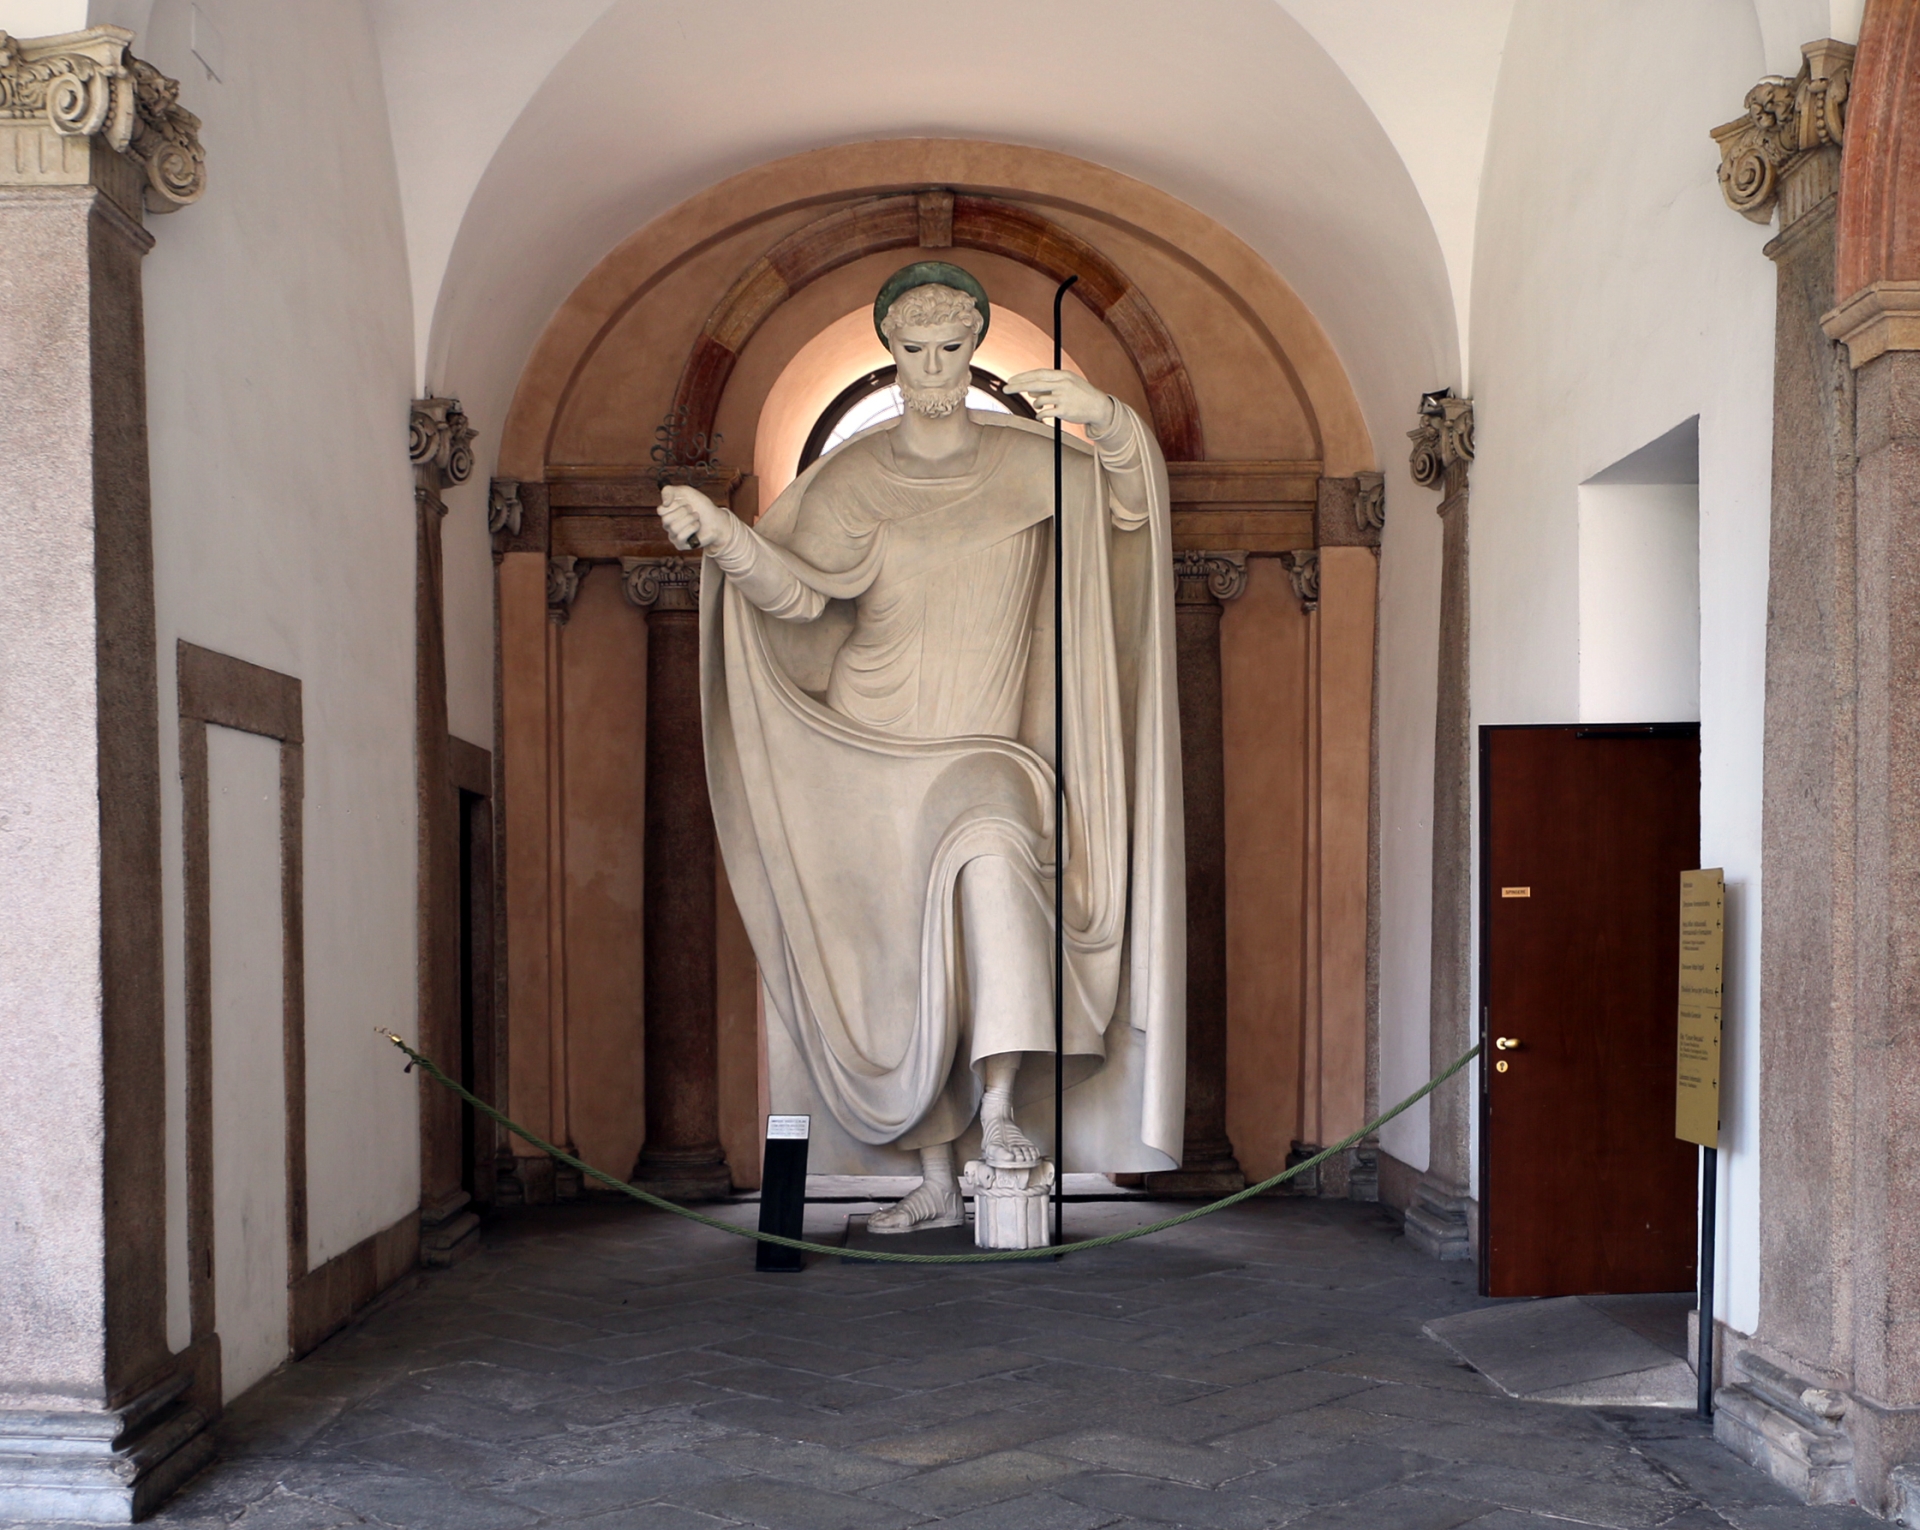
[(1506, 1043)]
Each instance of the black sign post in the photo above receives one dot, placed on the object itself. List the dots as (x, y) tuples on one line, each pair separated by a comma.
[(783, 1192)]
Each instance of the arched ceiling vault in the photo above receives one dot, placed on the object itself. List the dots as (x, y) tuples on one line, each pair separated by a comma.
[(1233, 108)]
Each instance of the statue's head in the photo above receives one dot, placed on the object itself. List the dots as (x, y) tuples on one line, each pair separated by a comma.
[(932, 317)]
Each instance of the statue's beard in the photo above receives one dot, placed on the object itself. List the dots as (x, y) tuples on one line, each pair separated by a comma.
[(935, 403)]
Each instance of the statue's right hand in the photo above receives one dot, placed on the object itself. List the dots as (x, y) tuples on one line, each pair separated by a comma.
[(691, 519)]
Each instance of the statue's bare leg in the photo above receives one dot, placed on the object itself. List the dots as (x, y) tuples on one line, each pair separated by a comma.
[(1002, 1144), (934, 1202)]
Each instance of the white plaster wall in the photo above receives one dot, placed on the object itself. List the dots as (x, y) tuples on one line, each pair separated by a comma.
[(1431, 87), (249, 1060), (1639, 602), (278, 378), (1615, 295)]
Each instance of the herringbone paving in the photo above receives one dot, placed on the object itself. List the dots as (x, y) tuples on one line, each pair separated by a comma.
[(614, 1367)]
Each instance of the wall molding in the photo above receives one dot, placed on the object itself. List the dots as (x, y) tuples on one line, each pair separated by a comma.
[(217, 689)]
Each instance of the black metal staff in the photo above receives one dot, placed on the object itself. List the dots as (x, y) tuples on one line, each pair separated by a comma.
[(1059, 805)]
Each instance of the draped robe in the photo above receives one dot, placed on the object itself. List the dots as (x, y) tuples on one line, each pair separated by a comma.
[(877, 694)]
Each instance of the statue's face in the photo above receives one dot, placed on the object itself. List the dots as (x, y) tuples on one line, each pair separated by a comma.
[(933, 359)]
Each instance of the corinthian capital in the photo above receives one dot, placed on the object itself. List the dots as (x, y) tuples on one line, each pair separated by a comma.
[(563, 584), (440, 443), (1787, 124), (82, 94), (1303, 569), (1208, 578), (1443, 440), (661, 584)]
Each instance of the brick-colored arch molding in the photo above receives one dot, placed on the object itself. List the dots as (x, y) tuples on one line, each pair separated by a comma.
[(935, 220), (1879, 212)]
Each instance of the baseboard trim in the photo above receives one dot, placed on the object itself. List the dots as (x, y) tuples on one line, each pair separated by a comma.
[(322, 1301)]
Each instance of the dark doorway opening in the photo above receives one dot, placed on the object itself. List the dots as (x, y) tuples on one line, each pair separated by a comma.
[(1584, 833)]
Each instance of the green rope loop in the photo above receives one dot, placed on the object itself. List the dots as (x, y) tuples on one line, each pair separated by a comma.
[(995, 1256)]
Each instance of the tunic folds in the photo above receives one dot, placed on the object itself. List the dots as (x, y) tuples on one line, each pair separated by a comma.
[(877, 690)]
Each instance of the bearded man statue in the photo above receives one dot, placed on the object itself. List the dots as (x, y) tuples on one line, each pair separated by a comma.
[(877, 659)]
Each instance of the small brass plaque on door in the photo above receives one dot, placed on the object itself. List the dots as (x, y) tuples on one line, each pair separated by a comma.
[(1516, 892)]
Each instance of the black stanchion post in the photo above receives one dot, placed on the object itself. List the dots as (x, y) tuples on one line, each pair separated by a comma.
[(1709, 1198), (783, 1192), (1059, 810)]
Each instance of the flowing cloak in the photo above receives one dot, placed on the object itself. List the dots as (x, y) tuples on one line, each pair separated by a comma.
[(889, 717)]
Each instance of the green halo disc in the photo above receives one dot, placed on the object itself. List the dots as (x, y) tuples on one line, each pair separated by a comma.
[(930, 273)]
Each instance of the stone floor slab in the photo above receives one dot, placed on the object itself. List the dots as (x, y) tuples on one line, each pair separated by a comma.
[(612, 1367)]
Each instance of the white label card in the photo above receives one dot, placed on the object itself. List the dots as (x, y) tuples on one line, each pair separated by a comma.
[(787, 1128)]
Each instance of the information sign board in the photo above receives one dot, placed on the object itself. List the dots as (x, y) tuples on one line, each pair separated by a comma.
[(1703, 903)]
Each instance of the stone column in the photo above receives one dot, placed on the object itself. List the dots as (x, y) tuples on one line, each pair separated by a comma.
[(98, 1420), (1205, 580), (1825, 1393), (1443, 1219), (439, 443), (682, 1159)]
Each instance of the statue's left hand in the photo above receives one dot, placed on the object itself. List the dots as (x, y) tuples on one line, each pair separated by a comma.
[(1063, 396)]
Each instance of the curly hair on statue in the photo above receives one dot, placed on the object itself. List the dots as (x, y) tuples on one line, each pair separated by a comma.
[(931, 307)]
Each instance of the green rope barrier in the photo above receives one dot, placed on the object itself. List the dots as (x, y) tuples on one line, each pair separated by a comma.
[(878, 1256)]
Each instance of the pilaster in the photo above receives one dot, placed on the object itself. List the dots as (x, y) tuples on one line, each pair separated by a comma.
[(98, 1420), (1825, 1394), (681, 1158), (1203, 583), (1443, 1220), (440, 447)]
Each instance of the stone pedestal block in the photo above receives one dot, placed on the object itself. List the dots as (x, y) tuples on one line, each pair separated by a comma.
[(1009, 1205)]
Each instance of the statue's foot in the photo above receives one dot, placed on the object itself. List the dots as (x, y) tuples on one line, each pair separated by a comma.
[(1004, 1146), (928, 1206)]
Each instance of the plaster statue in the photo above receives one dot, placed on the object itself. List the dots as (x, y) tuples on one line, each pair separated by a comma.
[(877, 686)]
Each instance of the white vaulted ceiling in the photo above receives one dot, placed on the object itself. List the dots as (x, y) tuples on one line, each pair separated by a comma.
[(525, 159)]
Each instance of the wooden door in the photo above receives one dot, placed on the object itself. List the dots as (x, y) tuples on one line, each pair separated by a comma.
[(1585, 831)]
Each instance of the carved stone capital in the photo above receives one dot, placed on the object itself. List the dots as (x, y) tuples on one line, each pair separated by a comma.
[(440, 443), (1208, 578), (503, 507), (1785, 151), (79, 109), (1370, 504), (1443, 441), (662, 584), (563, 584), (1303, 569)]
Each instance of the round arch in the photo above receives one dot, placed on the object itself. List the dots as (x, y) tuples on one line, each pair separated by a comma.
[(938, 219), (1165, 240)]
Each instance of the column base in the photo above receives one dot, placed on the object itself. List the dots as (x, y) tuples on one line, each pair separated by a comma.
[(1440, 1221), (1363, 1173), (448, 1231), (1207, 1167), (1788, 1428), (1009, 1205), (1903, 1495), (1308, 1183), (113, 1466), (683, 1174)]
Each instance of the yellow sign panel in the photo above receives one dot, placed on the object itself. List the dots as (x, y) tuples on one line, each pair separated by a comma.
[(1703, 938)]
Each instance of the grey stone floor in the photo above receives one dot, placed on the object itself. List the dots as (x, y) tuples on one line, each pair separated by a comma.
[(614, 1367)]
